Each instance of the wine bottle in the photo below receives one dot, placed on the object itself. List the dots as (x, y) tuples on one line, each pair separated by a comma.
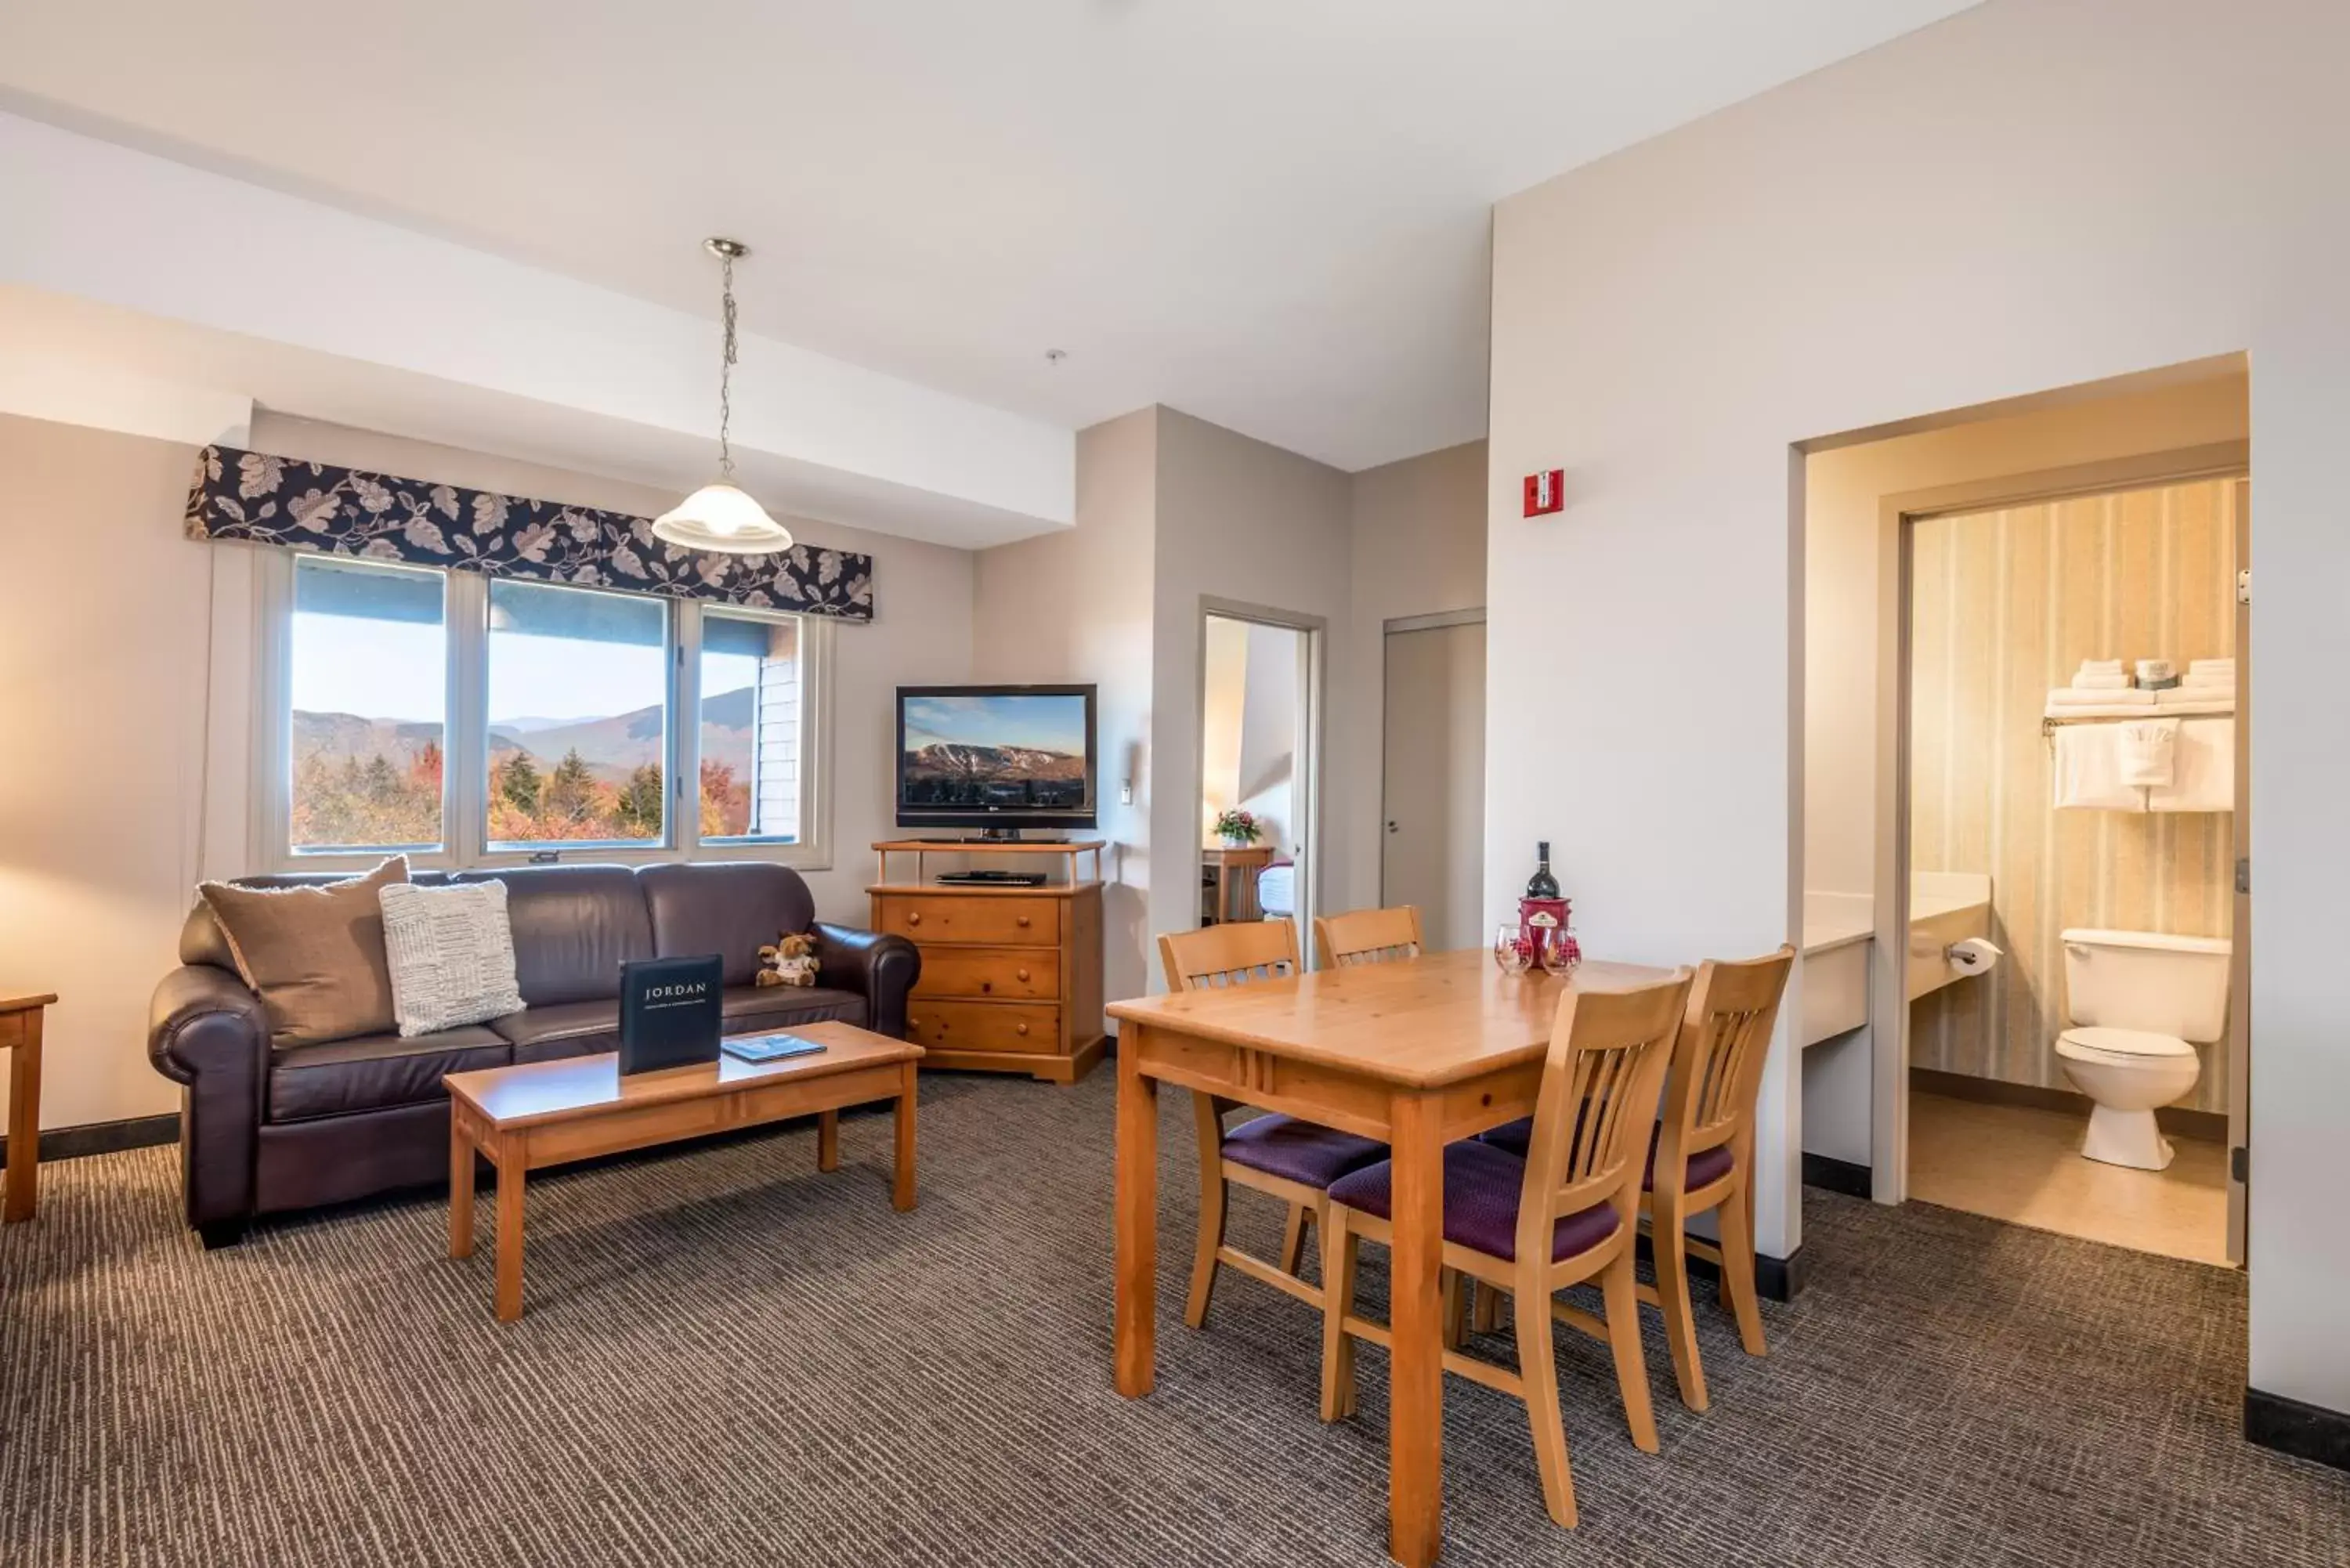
[(1542, 884)]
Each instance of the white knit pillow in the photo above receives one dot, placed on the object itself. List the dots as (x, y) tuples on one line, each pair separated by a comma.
[(452, 955)]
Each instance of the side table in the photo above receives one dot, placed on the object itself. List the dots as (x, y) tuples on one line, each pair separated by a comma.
[(20, 1035)]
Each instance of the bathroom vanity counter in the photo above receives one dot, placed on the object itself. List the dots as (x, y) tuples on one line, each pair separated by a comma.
[(1838, 928), (1945, 907)]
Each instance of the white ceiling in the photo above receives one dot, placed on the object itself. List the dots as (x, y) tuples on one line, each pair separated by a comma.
[(1271, 214)]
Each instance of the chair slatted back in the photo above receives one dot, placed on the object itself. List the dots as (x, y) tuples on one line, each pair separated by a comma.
[(1368, 936), (1608, 1054), (1232, 954), (1717, 1069)]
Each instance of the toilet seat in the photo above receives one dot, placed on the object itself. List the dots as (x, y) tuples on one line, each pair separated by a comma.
[(2124, 1047)]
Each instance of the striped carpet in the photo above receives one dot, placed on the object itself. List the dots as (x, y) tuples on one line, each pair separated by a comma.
[(729, 1359)]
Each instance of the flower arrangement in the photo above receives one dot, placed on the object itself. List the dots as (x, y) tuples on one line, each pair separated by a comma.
[(1237, 827)]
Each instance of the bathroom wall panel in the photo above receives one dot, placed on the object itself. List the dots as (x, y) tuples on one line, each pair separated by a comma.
[(2007, 604)]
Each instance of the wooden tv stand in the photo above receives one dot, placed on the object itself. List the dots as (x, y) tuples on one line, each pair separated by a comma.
[(1012, 976)]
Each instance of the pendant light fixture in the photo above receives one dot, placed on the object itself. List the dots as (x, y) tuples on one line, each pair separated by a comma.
[(721, 515)]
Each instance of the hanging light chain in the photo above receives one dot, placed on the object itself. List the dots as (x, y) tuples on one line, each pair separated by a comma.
[(726, 364)]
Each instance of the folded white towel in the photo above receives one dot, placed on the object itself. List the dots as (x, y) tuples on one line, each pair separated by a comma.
[(2147, 749), (2117, 681), (2196, 698), (2210, 672), (2204, 769), (2101, 697), (2088, 772)]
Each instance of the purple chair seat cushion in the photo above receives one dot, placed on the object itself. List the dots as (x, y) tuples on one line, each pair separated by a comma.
[(1706, 1166), (1482, 1188), (1300, 1151)]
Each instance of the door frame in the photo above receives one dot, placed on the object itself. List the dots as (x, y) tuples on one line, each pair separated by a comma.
[(1888, 982), (1440, 620), (1306, 767)]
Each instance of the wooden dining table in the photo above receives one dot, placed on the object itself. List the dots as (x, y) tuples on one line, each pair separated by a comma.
[(1418, 1054)]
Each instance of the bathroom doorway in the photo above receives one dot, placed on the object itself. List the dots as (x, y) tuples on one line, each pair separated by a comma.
[(1958, 570), (2075, 721), (1259, 707)]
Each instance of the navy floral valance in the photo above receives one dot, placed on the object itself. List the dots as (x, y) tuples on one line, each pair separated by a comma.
[(268, 500)]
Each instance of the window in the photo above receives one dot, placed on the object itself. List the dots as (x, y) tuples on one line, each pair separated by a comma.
[(578, 717), (751, 724), (469, 721), (367, 709)]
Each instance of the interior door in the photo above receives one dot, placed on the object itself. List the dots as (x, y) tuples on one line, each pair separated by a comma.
[(2239, 969), (1433, 780)]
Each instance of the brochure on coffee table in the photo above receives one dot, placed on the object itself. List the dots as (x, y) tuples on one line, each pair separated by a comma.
[(770, 1047), (669, 1012)]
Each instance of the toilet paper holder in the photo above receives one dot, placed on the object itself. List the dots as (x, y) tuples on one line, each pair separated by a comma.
[(1972, 955)]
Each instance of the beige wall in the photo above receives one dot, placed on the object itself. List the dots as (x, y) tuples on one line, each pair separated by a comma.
[(1845, 659), (1077, 607), (2032, 194), (122, 633), (2008, 605), (1419, 549), (1849, 659), (102, 682), (1241, 521)]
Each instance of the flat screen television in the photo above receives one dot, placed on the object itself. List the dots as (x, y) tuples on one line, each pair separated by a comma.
[(996, 757)]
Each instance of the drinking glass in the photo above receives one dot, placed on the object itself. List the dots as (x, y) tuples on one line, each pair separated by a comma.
[(1509, 950), (1559, 955)]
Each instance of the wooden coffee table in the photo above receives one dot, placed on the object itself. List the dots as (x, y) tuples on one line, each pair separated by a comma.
[(548, 1113)]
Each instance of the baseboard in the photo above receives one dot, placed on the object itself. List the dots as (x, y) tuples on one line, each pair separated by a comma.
[(2179, 1121), (1838, 1176), (2290, 1426), (1775, 1279), (105, 1138)]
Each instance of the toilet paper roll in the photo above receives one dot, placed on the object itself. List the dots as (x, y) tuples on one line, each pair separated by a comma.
[(1975, 955)]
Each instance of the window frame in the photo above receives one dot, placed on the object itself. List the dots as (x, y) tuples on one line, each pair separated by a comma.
[(465, 805)]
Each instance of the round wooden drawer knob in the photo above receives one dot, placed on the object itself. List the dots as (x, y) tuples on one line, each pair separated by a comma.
[(1021, 1029), (914, 919), (1023, 920), (1022, 974)]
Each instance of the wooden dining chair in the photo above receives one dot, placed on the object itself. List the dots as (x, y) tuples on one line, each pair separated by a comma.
[(1704, 1157), (1290, 1160), (1568, 1213), (1368, 936)]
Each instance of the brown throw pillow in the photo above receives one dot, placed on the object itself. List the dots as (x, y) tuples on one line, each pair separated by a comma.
[(314, 955)]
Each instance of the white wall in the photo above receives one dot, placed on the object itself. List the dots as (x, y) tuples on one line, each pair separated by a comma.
[(1419, 529), (1077, 607), (107, 653), (1241, 521), (1266, 767), (1980, 211)]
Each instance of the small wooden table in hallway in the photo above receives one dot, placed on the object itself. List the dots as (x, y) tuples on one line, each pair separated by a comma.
[(1416, 1053), (20, 1033)]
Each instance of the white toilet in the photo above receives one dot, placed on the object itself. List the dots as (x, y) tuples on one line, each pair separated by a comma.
[(2140, 1002)]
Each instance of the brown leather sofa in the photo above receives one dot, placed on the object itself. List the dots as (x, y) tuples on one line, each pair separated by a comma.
[(264, 1132)]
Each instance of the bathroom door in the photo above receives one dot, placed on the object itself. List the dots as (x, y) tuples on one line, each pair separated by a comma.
[(2239, 988), (1432, 785)]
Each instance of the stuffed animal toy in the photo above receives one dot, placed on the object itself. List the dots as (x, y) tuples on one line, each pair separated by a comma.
[(790, 962)]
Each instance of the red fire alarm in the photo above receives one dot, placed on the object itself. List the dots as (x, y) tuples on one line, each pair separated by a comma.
[(1545, 492)]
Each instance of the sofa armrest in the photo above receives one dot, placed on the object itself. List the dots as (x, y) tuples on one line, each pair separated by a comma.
[(207, 1032), (883, 969)]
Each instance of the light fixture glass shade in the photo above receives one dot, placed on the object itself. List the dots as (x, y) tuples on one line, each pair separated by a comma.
[(718, 516)]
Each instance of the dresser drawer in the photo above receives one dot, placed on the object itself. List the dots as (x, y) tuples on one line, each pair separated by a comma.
[(1006, 974), (989, 918), (983, 1025)]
